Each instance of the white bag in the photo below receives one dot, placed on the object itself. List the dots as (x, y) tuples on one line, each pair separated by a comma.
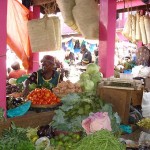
[(146, 104)]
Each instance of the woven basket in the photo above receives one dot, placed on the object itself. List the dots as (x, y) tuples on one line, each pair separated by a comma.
[(86, 15), (66, 7), (45, 34)]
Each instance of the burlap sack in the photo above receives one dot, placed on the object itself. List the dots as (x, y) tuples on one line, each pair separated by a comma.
[(44, 34), (133, 29), (147, 27), (143, 31), (57, 26), (138, 31), (127, 27), (66, 7), (86, 15)]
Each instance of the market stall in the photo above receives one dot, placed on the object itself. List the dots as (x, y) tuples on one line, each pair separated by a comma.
[(70, 114)]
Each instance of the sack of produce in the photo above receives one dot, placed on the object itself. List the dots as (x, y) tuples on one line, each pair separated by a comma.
[(86, 15), (143, 31), (45, 34), (66, 7), (147, 27), (138, 31)]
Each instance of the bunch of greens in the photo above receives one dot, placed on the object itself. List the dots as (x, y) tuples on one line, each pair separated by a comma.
[(75, 108), (100, 140), (15, 138)]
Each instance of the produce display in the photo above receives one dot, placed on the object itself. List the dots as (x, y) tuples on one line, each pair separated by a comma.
[(43, 96), (90, 78), (65, 141), (11, 88), (66, 87), (144, 123), (13, 102), (100, 140), (76, 107), (15, 138)]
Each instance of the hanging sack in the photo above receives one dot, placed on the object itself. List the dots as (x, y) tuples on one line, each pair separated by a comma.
[(86, 15), (132, 29), (147, 27), (45, 34), (127, 27), (138, 32), (143, 32), (66, 7)]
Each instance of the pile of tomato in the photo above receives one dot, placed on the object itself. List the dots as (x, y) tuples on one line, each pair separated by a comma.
[(43, 96)]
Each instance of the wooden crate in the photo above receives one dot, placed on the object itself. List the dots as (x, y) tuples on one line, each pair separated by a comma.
[(121, 99), (32, 119)]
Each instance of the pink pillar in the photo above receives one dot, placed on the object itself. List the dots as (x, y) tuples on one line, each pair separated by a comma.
[(35, 59), (3, 36), (107, 30)]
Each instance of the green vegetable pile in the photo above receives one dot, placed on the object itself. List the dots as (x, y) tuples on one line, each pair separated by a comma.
[(90, 78), (75, 108), (65, 141), (15, 139), (100, 140), (145, 123)]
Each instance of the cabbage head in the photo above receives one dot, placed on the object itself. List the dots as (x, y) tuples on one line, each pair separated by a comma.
[(84, 76), (88, 85), (92, 68), (96, 77)]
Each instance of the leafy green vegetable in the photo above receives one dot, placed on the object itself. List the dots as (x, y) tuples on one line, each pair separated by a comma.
[(75, 108), (88, 85), (92, 68), (15, 138), (85, 76)]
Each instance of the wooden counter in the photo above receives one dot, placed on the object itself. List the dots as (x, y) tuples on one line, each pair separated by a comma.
[(32, 119), (121, 99)]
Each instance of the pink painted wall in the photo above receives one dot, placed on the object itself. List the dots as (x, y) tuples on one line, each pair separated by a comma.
[(107, 29), (3, 16)]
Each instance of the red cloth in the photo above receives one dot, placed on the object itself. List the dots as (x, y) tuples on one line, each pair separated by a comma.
[(17, 73)]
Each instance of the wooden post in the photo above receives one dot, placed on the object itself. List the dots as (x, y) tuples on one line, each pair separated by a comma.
[(3, 36), (107, 29)]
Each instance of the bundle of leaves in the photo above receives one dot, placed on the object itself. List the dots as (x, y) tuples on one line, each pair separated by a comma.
[(100, 140), (15, 138), (75, 108)]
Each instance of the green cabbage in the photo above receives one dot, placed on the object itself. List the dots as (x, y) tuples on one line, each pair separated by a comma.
[(84, 76), (96, 77), (88, 85), (92, 68)]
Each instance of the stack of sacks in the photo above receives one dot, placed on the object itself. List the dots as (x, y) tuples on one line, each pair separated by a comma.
[(146, 104)]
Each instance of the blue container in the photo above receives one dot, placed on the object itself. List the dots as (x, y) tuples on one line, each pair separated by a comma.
[(129, 71)]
